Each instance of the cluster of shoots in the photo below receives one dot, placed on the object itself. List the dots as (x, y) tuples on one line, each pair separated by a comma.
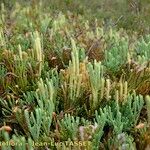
[(65, 81)]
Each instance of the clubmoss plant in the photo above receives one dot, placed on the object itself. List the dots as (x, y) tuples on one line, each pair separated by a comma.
[(148, 107), (17, 143), (37, 52), (117, 51), (69, 127), (97, 83), (46, 99), (74, 79), (142, 49), (67, 79), (2, 38)]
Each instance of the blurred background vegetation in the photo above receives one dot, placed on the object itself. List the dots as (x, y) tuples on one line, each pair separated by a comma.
[(128, 14)]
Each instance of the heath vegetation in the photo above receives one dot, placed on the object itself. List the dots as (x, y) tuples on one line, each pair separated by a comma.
[(74, 75)]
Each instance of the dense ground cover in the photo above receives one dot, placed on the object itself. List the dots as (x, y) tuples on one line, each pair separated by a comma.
[(67, 82)]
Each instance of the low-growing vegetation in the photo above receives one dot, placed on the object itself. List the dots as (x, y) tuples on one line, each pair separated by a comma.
[(69, 83)]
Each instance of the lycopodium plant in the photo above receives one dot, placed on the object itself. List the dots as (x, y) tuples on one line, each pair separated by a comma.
[(69, 127), (148, 107), (116, 52), (16, 142), (34, 122), (57, 69), (59, 22), (40, 122), (142, 49), (121, 93), (97, 83), (71, 86), (7, 105), (125, 117), (37, 53), (2, 39), (20, 69), (45, 96), (133, 105), (100, 121)]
